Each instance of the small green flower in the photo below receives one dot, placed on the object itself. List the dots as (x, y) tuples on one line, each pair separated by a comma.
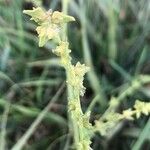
[(80, 70), (47, 32), (49, 23), (62, 49), (84, 145), (141, 108), (127, 114)]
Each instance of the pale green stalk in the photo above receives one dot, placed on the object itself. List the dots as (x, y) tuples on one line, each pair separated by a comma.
[(73, 126), (112, 25), (65, 4), (3, 127), (73, 94)]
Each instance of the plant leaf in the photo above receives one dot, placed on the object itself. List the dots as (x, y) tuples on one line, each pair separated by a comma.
[(37, 14), (60, 18)]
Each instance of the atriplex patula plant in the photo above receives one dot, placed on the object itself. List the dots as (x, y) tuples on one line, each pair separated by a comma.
[(50, 26)]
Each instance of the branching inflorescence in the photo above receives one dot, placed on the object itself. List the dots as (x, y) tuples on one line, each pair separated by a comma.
[(50, 26)]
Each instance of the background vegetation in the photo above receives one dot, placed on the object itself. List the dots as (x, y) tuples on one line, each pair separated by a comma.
[(113, 37)]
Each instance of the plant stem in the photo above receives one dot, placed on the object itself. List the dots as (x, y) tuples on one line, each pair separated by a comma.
[(70, 89), (112, 25)]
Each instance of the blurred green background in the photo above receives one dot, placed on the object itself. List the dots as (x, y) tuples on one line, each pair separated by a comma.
[(111, 36)]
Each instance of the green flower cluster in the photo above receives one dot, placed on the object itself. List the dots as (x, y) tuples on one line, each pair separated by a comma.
[(49, 23), (112, 118)]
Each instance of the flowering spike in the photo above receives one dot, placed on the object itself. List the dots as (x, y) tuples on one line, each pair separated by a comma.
[(49, 28)]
